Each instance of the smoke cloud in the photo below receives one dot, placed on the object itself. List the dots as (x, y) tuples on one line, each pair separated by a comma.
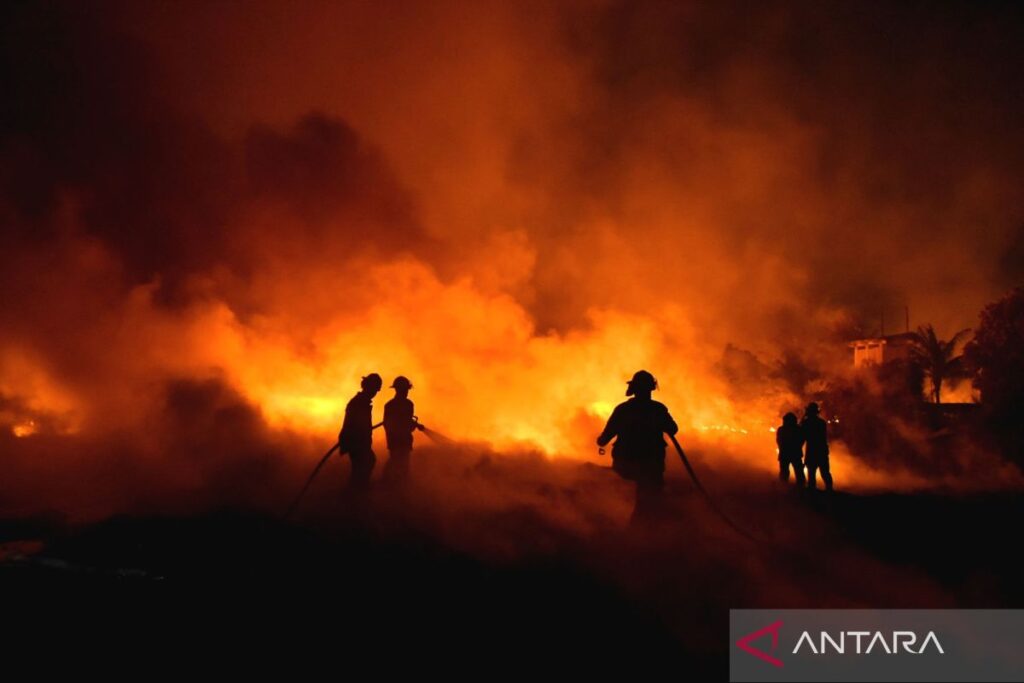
[(216, 218)]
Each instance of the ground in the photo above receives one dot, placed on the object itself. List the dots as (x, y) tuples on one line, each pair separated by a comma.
[(510, 561)]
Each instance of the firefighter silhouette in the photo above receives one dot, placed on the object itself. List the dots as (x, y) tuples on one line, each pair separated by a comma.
[(789, 437), (399, 424), (638, 427), (815, 433), (356, 436)]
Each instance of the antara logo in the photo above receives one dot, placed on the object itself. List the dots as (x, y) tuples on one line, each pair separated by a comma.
[(907, 639), (845, 642)]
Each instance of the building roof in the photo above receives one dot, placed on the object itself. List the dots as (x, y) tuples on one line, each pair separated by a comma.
[(894, 339)]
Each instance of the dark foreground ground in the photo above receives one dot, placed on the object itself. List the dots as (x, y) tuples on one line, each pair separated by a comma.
[(530, 576)]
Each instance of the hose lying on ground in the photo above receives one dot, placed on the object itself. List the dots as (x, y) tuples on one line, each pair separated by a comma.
[(707, 496)]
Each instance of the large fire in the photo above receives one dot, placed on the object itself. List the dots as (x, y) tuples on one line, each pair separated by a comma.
[(482, 372), (515, 206)]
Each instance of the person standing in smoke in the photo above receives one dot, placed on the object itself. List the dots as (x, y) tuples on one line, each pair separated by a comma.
[(638, 427), (399, 424), (356, 436), (789, 437), (815, 433)]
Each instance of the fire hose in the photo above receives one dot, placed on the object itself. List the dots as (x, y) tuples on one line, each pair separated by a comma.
[(327, 456), (707, 496), (312, 476), (439, 438)]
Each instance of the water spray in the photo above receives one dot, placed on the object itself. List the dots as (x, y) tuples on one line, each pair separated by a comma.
[(436, 437)]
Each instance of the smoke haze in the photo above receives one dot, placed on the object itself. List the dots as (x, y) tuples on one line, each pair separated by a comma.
[(217, 217)]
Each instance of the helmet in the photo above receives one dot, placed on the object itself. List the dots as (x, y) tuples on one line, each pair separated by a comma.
[(372, 381), (642, 381), (401, 382), (812, 408)]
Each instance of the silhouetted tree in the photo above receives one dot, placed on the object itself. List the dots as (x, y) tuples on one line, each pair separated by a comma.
[(741, 367), (795, 371), (937, 359), (996, 357)]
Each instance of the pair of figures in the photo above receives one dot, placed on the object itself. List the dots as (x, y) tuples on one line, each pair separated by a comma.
[(356, 436), (793, 438)]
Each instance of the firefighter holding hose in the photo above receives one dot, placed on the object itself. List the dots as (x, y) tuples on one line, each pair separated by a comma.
[(638, 427), (356, 436), (399, 424)]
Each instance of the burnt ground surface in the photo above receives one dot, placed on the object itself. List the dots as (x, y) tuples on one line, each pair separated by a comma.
[(386, 587)]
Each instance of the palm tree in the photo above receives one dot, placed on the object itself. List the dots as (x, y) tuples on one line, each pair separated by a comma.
[(938, 359)]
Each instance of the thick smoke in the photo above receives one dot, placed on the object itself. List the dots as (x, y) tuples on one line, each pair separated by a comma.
[(763, 160), (223, 215)]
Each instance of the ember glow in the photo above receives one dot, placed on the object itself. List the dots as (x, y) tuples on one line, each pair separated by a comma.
[(22, 429), (516, 205)]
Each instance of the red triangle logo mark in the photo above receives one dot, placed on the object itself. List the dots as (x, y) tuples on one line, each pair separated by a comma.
[(744, 643)]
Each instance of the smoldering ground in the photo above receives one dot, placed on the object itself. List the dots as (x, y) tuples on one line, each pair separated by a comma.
[(484, 553), (490, 550)]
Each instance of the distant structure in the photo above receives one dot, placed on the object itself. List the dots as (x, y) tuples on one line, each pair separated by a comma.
[(879, 350)]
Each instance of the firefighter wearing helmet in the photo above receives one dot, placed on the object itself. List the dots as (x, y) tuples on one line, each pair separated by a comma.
[(638, 454), (356, 436), (399, 424), (815, 432), (789, 438)]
